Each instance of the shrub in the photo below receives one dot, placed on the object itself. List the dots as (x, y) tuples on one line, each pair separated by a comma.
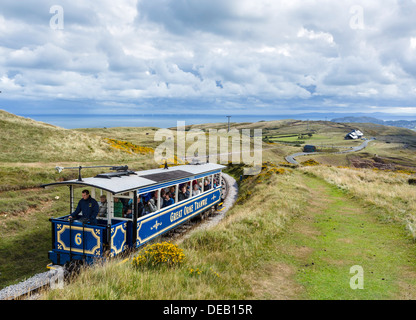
[(197, 272), (310, 162), (405, 171), (159, 254), (129, 147)]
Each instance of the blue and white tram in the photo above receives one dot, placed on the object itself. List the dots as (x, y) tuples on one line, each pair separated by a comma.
[(113, 234)]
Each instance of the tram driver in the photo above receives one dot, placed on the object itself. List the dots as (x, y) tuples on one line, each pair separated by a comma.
[(89, 208)]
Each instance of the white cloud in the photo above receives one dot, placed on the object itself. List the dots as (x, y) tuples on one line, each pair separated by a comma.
[(413, 43), (312, 35), (134, 51)]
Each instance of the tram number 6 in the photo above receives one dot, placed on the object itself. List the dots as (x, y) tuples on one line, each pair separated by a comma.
[(78, 239)]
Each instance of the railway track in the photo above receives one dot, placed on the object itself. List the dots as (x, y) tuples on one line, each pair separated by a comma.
[(30, 289)]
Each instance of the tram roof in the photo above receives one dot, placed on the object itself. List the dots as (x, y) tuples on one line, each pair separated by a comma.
[(143, 180)]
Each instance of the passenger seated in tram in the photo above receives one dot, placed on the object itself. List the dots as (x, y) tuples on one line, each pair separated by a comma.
[(102, 207), (196, 190), (168, 200), (207, 185), (152, 203), (129, 211), (118, 208), (140, 204), (183, 193), (127, 203), (172, 191)]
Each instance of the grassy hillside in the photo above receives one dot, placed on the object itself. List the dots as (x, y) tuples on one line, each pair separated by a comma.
[(395, 146), (143, 136), (24, 140), (231, 255)]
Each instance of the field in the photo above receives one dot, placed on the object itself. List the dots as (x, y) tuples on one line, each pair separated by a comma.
[(270, 245)]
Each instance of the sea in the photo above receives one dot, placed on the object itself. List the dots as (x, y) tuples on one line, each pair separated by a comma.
[(74, 121)]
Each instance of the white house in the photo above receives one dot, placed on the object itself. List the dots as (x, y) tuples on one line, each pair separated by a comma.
[(354, 134)]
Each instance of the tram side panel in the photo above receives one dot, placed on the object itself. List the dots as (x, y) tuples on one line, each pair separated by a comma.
[(121, 236), (74, 241), (153, 225)]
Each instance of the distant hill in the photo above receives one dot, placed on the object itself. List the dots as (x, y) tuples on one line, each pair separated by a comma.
[(395, 123), (26, 140)]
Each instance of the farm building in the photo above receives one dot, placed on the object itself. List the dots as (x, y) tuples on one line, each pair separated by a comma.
[(354, 134), (309, 148)]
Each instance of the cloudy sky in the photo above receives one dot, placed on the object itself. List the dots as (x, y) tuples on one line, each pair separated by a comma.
[(186, 56)]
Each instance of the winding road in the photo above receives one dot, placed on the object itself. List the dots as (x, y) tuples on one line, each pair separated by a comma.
[(291, 158)]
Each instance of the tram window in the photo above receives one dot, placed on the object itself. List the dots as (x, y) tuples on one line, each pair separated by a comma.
[(143, 206)]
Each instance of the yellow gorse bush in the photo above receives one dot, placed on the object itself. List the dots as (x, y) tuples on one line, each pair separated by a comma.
[(193, 271), (159, 254), (269, 169), (310, 162), (197, 272), (129, 147)]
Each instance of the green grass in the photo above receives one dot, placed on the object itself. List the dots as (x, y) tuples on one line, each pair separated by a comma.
[(26, 237), (341, 232)]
